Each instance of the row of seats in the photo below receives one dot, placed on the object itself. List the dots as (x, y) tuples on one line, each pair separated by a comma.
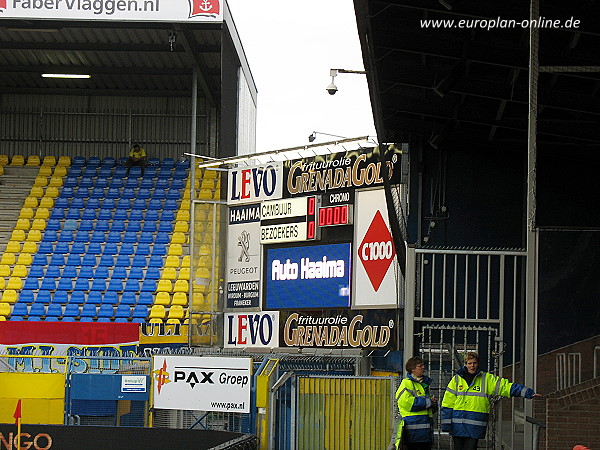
[(94, 213), (137, 207), (128, 193), (161, 236), (33, 160), (109, 161), (131, 182), (100, 285)]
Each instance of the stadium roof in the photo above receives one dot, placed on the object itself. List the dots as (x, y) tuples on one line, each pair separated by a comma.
[(470, 83)]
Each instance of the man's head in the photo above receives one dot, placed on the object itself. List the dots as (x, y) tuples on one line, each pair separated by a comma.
[(136, 146), (472, 362)]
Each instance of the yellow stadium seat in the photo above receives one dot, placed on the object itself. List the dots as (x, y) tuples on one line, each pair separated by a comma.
[(60, 171), (29, 247), (31, 202), (157, 312), (184, 273), (185, 205), (47, 202), (35, 235), (181, 226), (3, 160), (19, 270), (172, 261), (208, 173), (36, 191), (38, 225), (17, 235), (4, 309), (174, 249), (4, 270), (205, 249), (197, 300), (41, 181), (25, 259), (176, 312), (169, 273), (51, 191), (26, 213), (42, 213), (2, 285), (9, 296), (2, 319), (49, 160), (64, 161), (179, 298), (181, 286), (202, 273), (204, 261), (8, 258), (17, 160), (155, 320), (33, 160), (164, 286), (1, 170), (210, 300), (162, 298), (13, 247), (183, 215), (208, 183), (56, 181), (23, 224), (15, 283), (185, 262), (45, 171), (178, 238), (169, 321), (186, 194)]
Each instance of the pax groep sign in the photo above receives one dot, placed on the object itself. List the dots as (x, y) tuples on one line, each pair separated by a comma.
[(255, 184), (117, 10), (202, 383)]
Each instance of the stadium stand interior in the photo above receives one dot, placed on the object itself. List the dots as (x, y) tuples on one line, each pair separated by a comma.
[(86, 240)]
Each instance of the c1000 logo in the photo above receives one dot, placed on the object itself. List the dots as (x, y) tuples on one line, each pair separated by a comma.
[(372, 251), (41, 441)]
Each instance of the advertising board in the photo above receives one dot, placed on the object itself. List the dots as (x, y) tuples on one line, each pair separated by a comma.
[(202, 383), (315, 276), (260, 329), (255, 184)]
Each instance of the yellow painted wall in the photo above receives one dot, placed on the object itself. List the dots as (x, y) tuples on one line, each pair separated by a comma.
[(42, 395)]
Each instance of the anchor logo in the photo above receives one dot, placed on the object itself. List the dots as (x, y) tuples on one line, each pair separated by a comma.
[(2, 5), (204, 8), (244, 242)]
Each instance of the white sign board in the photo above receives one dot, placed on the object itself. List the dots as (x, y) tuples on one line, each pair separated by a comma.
[(116, 10), (255, 184), (374, 282), (133, 383), (202, 383), (258, 329)]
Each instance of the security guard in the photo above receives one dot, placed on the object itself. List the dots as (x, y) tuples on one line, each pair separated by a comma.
[(416, 407), (466, 404)]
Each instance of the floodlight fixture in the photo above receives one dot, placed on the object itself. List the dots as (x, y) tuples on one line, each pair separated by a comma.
[(66, 75)]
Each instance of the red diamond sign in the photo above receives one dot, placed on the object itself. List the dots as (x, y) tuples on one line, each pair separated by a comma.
[(377, 250)]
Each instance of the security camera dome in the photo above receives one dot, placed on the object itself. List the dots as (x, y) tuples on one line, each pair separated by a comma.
[(332, 89)]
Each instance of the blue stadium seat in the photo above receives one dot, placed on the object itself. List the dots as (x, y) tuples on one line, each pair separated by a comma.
[(86, 182), (162, 183), (82, 192), (163, 237), (51, 319), (143, 248), (128, 192), (118, 225), (43, 297), (98, 284), (107, 260), (109, 203), (65, 284), (146, 237), (138, 320), (139, 261), (150, 226), (95, 248), (132, 182), (34, 319), (159, 249), (174, 194), (57, 260), (31, 283), (143, 193), (37, 309), (101, 182), (123, 203), (153, 162), (95, 298), (105, 311), (78, 161), (92, 203), (70, 271), (73, 260), (102, 225), (105, 214), (165, 227), (148, 285), (77, 298), (126, 249), (120, 172), (183, 163), (136, 273), (119, 273), (61, 202), (121, 214), (70, 182), (50, 236), (154, 203), (155, 261), (159, 193), (89, 214), (110, 298), (88, 310), (53, 272), (26, 297), (108, 161), (130, 237), (165, 174), (145, 298), (115, 285), (139, 203), (140, 312), (98, 236), (167, 216), (85, 225), (82, 236), (103, 320), (132, 285), (123, 311), (46, 248), (178, 183), (101, 272), (116, 183), (135, 171), (94, 161), (151, 214), (105, 172), (153, 273), (20, 309), (136, 214), (78, 248), (87, 271), (36, 271), (48, 284), (53, 224), (113, 193), (128, 298), (147, 182), (171, 204), (180, 174), (82, 284), (60, 298), (66, 236), (168, 163), (110, 248), (54, 310), (62, 248), (68, 319), (57, 213), (67, 192), (113, 236), (123, 261), (40, 259)]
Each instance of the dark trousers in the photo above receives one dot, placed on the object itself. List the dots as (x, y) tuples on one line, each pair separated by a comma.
[(464, 443), (419, 446), (130, 163)]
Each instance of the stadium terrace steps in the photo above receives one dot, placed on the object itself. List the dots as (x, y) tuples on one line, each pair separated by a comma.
[(15, 186)]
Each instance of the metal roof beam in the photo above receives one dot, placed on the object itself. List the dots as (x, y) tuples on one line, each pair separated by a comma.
[(102, 47)]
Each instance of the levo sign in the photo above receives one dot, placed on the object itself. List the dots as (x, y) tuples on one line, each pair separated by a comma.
[(255, 184), (260, 329)]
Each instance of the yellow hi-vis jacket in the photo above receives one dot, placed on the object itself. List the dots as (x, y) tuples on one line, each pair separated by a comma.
[(466, 408), (416, 410)]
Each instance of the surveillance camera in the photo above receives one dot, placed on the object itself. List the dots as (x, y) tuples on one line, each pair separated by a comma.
[(332, 89)]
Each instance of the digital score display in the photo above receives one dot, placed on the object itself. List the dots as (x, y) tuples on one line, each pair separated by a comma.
[(289, 220), (335, 215)]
